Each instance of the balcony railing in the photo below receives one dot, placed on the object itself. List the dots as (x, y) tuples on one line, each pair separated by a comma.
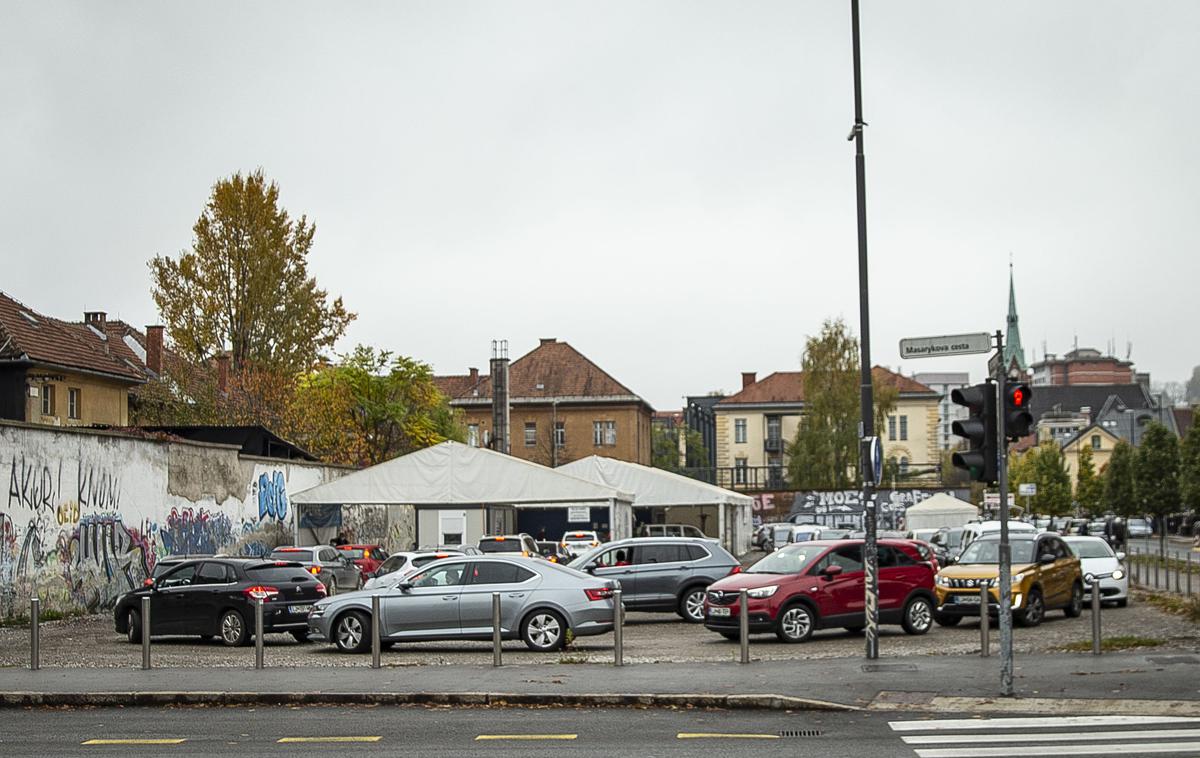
[(742, 478)]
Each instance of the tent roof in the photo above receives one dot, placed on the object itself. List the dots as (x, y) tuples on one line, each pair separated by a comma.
[(943, 503), (455, 474), (651, 486)]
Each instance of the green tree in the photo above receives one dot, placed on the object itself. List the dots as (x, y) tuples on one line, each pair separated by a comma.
[(371, 407), (1089, 489), (1118, 481), (1044, 466), (1189, 470), (1156, 476), (665, 448), (824, 453), (244, 286)]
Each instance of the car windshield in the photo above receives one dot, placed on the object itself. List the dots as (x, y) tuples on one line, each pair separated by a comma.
[(952, 537), (1091, 548), (500, 546), (988, 551), (352, 554), (789, 560), (292, 554)]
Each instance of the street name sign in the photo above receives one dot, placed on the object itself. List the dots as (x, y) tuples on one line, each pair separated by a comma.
[(950, 344), (1027, 489)]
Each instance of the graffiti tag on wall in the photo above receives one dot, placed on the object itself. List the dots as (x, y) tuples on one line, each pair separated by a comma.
[(272, 496)]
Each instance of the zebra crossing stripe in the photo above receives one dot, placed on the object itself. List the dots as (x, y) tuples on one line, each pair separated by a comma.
[(1142, 734), (1144, 748), (1034, 722)]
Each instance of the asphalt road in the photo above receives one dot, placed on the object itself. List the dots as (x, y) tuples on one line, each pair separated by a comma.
[(646, 733)]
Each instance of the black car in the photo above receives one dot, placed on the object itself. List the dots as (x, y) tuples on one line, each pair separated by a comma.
[(214, 597), (554, 552)]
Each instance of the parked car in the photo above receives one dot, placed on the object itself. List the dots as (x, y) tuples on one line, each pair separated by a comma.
[(165, 564), (214, 597), (451, 599), (519, 544), (923, 535), (977, 529), (1137, 528), (554, 552), (670, 530), (947, 544), (398, 566), (1097, 558), (1045, 575), (367, 557), (661, 573), (329, 566), (818, 585), (786, 533), (577, 542)]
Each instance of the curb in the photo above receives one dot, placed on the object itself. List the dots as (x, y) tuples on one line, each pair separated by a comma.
[(929, 702), (610, 700)]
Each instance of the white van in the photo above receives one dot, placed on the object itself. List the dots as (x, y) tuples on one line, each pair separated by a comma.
[(977, 529)]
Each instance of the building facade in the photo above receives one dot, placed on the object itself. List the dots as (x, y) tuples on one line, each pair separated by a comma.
[(943, 383), (1082, 366)]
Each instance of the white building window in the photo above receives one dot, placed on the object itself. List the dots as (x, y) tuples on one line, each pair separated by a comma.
[(560, 433), (739, 430), (530, 433), (47, 399), (473, 435), (892, 428), (739, 470), (604, 433), (904, 427), (73, 409)]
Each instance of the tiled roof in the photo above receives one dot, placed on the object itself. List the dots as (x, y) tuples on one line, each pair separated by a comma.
[(788, 387), (551, 370), (456, 385), (1074, 397), (28, 335)]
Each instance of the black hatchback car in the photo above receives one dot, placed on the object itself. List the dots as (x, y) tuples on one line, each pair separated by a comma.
[(214, 597)]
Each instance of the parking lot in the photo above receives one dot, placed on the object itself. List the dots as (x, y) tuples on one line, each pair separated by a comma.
[(91, 642)]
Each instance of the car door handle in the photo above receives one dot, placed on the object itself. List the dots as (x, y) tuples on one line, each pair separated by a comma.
[(449, 597), (516, 594)]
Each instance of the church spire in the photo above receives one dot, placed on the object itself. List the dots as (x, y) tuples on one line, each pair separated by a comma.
[(1014, 354)]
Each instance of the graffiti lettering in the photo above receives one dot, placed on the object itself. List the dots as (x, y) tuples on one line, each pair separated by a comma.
[(195, 531), (272, 496), (98, 490), (32, 486), (104, 558)]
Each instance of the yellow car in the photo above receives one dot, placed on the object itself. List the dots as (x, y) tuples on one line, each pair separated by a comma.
[(1045, 575)]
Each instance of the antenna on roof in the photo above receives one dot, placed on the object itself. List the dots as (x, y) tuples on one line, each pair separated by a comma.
[(1128, 348)]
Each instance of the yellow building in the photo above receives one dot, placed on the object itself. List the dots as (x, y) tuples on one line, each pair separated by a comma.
[(1099, 439)]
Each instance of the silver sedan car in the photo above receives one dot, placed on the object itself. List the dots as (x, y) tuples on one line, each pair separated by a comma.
[(451, 599)]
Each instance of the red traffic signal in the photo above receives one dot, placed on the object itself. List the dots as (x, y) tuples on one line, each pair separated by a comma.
[(1018, 421)]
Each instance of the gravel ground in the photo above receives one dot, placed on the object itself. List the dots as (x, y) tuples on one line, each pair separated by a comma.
[(91, 642)]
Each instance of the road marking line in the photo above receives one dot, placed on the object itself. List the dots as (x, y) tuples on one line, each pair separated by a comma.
[(526, 737), (1047, 721), (1094, 750), (155, 741), (328, 739), (1141, 734), (724, 736)]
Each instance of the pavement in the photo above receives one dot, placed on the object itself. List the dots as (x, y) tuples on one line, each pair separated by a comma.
[(1151, 683)]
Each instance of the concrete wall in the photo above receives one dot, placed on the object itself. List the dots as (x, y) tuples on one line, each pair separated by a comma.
[(87, 514)]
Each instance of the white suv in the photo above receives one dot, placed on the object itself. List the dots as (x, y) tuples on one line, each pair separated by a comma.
[(577, 542)]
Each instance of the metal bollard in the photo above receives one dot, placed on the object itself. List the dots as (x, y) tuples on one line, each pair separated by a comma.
[(258, 633), (1095, 616), (145, 632), (35, 633), (1178, 578), (376, 645), (744, 624), (618, 630), (1156, 562), (985, 623), (1189, 574), (496, 661)]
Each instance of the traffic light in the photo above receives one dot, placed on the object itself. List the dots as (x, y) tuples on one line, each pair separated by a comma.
[(979, 429), (1018, 421)]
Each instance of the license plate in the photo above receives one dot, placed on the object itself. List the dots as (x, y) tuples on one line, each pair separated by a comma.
[(967, 600), (718, 611), (299, 609)]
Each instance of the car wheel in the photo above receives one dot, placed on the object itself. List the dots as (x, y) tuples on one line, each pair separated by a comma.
[(300, 636), (331, 588), (1074, 609), (233, 629), (134, 631), (691, 605), (918, 616), (351, 632), (945, 620), (1035, 609), (795, 623), (1122, 602), (544, 631)]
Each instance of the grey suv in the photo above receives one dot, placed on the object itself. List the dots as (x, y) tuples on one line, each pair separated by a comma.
[(329, 565), (661, 573)]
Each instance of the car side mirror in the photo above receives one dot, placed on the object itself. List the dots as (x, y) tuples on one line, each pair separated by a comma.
[(1046, 558), (830, 572), (1120, 555), (591, 569), (404, 586)]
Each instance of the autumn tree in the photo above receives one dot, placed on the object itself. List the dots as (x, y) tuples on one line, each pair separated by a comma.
[(1089, 489), (244, 286), (370, 407), (1156, 476), (1118, 481), (825, 451)]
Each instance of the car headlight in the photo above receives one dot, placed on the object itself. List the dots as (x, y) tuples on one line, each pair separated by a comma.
[(943, 581), (760, 592), (1118, 574), (317, 611), (1016, 580)]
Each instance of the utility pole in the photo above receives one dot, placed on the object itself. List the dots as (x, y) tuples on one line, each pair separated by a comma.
[(1004, 612), (870, 508)]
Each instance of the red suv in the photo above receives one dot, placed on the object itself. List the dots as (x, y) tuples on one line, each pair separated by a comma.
[(819, 585), (366, 557)]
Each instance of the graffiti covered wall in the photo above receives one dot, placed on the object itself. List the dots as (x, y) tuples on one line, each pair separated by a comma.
[(86, 514)]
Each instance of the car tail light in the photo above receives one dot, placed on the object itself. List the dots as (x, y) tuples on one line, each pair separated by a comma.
[(260, 592), (735, 570), (321, 589), (314, 570), (148, 583), (594, 543), (603, 593)]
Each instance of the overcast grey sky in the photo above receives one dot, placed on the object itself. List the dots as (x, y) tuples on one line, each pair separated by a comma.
[(665, 185)]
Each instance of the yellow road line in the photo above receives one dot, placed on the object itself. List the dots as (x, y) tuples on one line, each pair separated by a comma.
[(328, 739), (164, 741), (724, 736), (526, 737)]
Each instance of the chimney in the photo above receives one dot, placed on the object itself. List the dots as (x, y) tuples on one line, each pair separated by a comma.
[(748, 378), (97, 319), (223, 373), (547, 340), (154, 349), (474, 375)]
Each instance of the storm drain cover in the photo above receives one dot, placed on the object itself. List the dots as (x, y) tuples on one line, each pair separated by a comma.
[(1166, 660), (872, 668), (800, 733)]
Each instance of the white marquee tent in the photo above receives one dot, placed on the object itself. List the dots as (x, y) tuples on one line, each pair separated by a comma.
[(466, 492), (938, 511), (656, 488)]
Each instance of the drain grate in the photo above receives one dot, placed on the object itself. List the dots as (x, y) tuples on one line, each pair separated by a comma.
[(800, 733), (873, 668)]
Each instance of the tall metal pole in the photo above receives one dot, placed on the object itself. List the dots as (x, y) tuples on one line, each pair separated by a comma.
[(1004, 616), (870, 509)]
